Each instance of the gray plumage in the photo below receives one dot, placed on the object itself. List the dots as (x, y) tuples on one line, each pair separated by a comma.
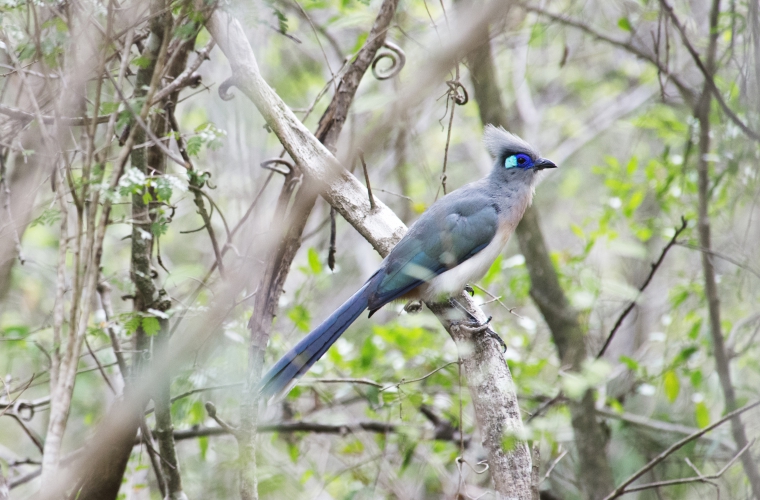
[(453, 243)]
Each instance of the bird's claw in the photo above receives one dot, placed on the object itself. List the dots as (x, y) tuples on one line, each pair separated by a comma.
[(498, 339), (470, 290), (474, 326)]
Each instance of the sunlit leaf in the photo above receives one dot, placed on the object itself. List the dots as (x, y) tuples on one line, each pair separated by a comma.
[(672, 385), (701, 415), (314, 262)]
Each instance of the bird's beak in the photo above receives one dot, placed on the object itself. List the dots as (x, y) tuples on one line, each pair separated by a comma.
[(543, 163)]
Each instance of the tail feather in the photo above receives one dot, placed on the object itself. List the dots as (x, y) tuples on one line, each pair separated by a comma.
[(312, 347)]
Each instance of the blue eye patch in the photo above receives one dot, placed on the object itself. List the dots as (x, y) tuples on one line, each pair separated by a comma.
[(519, 160)]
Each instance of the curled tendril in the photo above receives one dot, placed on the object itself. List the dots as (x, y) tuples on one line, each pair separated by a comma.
[(23, 410), (268, 164), (224, 89), (461, 460), (398, 60), (454, 87)]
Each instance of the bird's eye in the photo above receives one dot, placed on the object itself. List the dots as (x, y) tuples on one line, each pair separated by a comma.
[(518, 160)]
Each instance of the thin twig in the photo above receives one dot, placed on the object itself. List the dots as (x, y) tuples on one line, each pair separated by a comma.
[(63, 120), (625, 45), (100, 367), (186, 76), (553, 465), (709, 78), (211, 410), (622, 489), (404, 381), (366, 179), (721, 256), (136, 116), (699, 478), (654, 266), (361, 381), (333, 240)]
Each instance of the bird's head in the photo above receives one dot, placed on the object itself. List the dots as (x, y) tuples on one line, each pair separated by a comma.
[(515, 159)]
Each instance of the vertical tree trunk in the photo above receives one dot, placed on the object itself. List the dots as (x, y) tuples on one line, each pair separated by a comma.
[(722, 362), (104, 481)]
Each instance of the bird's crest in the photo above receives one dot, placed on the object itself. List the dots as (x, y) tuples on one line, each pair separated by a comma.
[(501, 143)]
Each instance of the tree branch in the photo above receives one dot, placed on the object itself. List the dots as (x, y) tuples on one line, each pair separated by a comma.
[(708, 73), (654, 267), (622, 489), (488, 376)]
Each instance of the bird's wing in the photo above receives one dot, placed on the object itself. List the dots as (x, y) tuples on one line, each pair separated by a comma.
[(452, 231)]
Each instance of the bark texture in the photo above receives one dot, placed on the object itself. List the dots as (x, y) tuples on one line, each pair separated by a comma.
[(594, 471)]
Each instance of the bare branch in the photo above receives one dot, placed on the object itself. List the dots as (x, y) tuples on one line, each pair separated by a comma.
[(654, 267), (623, 488), (708, 74)]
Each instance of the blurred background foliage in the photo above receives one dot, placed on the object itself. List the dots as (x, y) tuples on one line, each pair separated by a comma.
[(625, 140)]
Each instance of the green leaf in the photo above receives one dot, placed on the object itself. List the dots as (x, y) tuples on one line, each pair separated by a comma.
[(360, 41), (300, 316), (701, 415), (158, 229), (314, 264), (194, 145), (282, 20), (203, 444), (578, 231), (410, 445), (132, 324), (150, 325), (696, 378), (142, 61), (672, 385), (631, 363), (107, 108), (48, 217), (685, 354), (624, 24)]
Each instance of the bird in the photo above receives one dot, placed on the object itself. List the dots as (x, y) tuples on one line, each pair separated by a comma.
[(453, 243)]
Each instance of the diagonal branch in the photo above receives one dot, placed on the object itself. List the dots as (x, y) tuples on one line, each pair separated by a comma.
[(655, 266), (622, 489)]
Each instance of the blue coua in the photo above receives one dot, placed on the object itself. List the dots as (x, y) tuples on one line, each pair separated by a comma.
[(453, 243)]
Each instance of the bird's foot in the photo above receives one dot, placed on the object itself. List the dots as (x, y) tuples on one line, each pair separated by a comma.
[(470, 290), (474, 327), (413, 307)]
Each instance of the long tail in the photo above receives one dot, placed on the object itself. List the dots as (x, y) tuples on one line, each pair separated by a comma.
[(312, 347)]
